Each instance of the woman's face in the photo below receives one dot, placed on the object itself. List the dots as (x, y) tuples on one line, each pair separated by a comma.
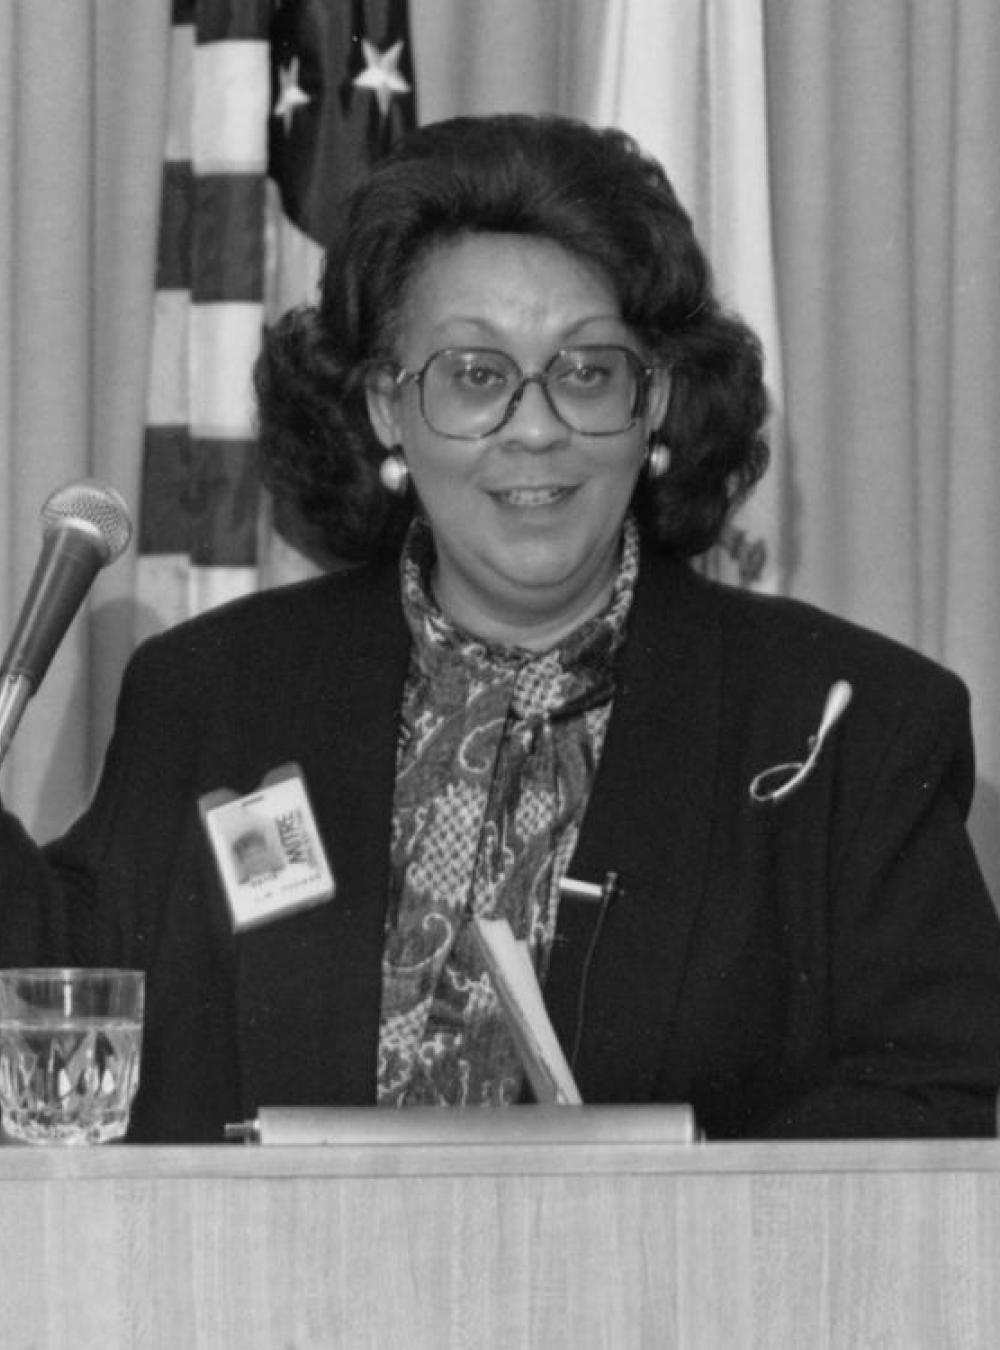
[(527, 520)]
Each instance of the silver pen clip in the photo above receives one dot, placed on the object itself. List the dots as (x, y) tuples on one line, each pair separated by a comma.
[(781, 780)]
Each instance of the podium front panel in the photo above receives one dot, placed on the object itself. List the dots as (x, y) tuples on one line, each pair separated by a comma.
[(436, 1246)]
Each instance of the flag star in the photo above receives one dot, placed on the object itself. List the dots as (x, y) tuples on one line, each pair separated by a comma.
[(292, 96), (381, 74)]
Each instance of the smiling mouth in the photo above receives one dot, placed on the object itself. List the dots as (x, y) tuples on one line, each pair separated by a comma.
[(529, 497)]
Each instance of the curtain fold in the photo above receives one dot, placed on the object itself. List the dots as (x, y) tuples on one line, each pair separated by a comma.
[(968, 611), (80, 113), (886, 191)]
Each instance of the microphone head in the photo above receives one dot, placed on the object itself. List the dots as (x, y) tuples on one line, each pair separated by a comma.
[(95, 509)]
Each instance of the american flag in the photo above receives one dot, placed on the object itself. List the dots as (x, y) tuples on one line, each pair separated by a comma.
[(273, 109)]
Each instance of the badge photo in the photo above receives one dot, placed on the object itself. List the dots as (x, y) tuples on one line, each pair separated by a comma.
[(267, 849)]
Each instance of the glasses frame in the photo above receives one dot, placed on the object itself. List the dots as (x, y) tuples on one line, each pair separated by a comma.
[(643, 372)]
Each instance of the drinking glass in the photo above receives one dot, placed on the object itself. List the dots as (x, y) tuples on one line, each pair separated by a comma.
[(70, 1043)]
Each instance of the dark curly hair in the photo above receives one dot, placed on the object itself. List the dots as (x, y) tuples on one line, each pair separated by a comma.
[(594, 193)]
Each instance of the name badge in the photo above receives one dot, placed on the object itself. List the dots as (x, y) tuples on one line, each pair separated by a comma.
[(267, 849)]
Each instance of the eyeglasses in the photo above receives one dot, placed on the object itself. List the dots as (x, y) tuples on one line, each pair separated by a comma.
[(467, 393)]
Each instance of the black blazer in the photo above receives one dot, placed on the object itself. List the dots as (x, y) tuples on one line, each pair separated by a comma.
[(826, 966)]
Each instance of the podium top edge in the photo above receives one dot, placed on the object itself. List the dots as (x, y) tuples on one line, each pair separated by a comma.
[(165, 1163)]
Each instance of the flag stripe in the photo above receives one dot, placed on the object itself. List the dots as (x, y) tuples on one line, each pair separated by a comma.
[(223, 19), (230, 106), (224, 527), (199, 498), (173, 253), (226, 242), (163, 520), (225, 340), (215, 585)]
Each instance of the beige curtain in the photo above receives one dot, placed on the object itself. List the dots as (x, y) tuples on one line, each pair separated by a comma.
[(886, 188), (81, 99)]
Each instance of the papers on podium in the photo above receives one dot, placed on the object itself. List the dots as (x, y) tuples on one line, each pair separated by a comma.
[(509, 964)]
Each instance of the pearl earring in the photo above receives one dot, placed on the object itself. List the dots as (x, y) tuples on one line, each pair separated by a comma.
[(394, 474), (658, 460)]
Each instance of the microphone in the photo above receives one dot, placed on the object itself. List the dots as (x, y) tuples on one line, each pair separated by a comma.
[(86, 525)]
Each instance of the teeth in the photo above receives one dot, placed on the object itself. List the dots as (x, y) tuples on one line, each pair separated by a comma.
[(531, 496)]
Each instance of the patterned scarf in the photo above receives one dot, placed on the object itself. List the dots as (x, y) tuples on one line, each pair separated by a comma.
[(497, 752)]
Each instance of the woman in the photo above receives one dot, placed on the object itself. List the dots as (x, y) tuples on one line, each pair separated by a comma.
[(520, 409)]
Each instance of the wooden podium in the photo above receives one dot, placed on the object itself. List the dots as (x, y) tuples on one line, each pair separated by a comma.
[(445, 1246)]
